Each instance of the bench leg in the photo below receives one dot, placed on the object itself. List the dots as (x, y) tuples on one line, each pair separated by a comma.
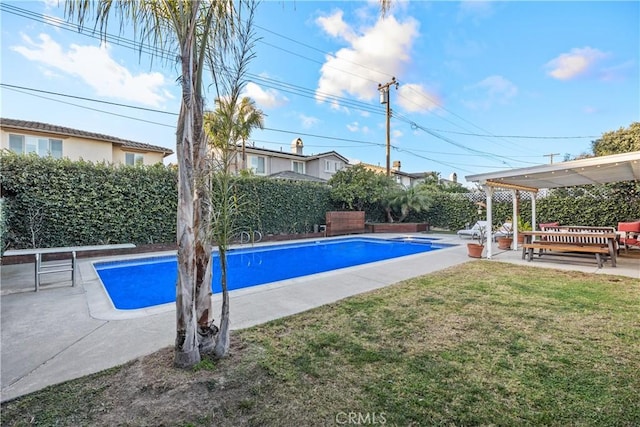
[(37, 270), (73, 268), (599, 259), (612, 253), (530, 254)]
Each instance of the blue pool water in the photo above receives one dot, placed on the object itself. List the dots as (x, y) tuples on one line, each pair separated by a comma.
[(148, 282)]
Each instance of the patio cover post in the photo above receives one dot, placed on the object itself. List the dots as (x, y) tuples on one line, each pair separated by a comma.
[(514, 218), (489, 192), (533, 210)]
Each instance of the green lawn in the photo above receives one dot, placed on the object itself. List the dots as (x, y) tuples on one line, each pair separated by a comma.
[(479, 344)]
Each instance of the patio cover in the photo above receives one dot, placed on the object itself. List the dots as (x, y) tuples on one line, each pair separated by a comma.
[(593, 170)]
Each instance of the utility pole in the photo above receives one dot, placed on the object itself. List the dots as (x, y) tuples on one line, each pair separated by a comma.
[(551, 157), (384, 99)]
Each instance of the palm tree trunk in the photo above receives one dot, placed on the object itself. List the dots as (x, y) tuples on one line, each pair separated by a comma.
[(222, 342), (244, 155), (186, 346), (193, 301)]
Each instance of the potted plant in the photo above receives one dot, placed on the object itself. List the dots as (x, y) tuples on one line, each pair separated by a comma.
[(505, 239), (475, 249), (522, 226)]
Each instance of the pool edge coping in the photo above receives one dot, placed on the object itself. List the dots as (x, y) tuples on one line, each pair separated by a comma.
[(101, 307)]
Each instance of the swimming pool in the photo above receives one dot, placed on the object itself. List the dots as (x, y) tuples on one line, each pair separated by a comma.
[(147, 282)]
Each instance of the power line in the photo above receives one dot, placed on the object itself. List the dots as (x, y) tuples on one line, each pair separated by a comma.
[(285, 87), (458, 166), (275, 84), (8, 86), (19, 89), (94, 109)]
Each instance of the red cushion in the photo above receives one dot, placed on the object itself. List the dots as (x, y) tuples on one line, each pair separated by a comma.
[(629, 226)]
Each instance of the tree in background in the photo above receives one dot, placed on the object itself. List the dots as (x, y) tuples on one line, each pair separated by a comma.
[(357, 186), (619, 141), (192, 29), (247, 118), (432, 183), (232, 121), (400, 202)]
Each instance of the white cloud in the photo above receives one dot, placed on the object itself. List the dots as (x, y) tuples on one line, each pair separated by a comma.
[(490, 91), (415, 98), (95, 67), (386, 46), (307, 121), (575, 63), (356, 127), (475, 9), (269, 98), (51, 3), (335, 26), (617, 72)]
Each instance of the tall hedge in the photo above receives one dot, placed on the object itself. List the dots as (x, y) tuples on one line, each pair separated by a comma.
[(58, 202), (51, 202), (278, 206)]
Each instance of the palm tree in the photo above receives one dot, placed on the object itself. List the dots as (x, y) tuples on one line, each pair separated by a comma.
[(191, 28), (248, 118), (403, 201)]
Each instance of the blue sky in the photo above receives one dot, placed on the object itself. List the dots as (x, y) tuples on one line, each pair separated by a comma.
[(474, 79)]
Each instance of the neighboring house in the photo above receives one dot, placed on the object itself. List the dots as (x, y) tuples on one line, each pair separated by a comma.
[(22, 136), (406, 179), (277, 164)]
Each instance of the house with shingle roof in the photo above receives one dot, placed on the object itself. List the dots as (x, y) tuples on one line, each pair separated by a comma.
[(24, 137), (291, 165), (406, 179)]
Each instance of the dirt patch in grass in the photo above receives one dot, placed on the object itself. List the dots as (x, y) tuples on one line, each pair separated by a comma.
[(483, 343)]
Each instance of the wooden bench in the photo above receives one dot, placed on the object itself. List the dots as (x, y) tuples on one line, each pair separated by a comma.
[(348, 222), (594, 241), (41, 269)]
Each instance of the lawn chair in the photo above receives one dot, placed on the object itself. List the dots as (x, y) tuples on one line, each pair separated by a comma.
[(505, 230), (629, 233), (475, 231)]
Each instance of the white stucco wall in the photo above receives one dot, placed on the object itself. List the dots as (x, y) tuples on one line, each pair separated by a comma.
[(75, 148)]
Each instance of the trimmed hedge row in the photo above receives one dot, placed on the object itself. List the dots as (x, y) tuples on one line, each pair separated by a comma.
[(601, 205), (52, 202), (281, 207), (56, 202)]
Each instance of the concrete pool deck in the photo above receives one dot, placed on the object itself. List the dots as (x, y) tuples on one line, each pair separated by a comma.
[(64, 332)]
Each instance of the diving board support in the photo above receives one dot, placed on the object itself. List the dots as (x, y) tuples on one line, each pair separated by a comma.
[(41, 269)]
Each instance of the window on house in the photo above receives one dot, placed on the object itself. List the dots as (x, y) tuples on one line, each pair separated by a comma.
[(257, 164), (298, 167), (327, 166), (43, 147), (133, 159)]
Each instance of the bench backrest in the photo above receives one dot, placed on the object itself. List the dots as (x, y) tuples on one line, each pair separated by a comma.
[(563, 238)]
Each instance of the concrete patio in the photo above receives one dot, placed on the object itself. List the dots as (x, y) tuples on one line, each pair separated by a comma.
[(64, 332)]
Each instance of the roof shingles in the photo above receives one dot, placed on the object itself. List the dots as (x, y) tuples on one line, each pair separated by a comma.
[(26, 125)]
